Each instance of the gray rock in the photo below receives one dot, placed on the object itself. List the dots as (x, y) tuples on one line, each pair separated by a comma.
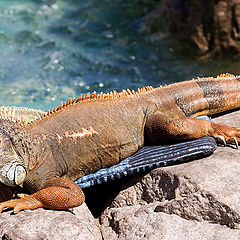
[(50, 224), (143, 222)]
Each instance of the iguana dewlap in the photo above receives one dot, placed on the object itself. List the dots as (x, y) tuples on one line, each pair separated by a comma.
[(79, 137)]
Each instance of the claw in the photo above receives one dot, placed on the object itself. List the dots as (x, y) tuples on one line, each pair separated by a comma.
[(22, 195), (222, 139), (235, 142)]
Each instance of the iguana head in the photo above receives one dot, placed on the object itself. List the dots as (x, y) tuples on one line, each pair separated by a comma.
[(12, 169)]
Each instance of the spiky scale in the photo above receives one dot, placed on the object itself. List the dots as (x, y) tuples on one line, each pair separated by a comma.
[(88, 95), (79, 99), (129, 91), (100, 95), (94, 94), (60, 106), (115, 93), (69, 101), (18, 117), (5, 113), (226, 75)]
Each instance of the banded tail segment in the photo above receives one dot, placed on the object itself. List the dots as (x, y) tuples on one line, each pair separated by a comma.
[(150, 157), (222, 93), (206, 96)]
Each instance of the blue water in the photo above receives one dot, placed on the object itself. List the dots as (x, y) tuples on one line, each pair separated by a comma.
[(52, 50)]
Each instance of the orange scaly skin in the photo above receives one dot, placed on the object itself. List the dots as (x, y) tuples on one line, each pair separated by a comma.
[(81, 136)]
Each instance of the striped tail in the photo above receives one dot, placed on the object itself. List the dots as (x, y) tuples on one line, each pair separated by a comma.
[(205, 96), (150, 157)]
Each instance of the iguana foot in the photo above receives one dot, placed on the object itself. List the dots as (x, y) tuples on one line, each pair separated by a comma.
[(58, 193), (25, 203), (225, 134)]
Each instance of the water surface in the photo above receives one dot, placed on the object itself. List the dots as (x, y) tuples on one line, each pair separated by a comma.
[(52, 50)]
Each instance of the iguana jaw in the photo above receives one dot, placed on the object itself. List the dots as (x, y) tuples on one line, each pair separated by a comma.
[(12, 174)]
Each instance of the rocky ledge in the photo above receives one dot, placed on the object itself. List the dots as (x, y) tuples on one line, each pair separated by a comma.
[(195, 200), (211, 26)]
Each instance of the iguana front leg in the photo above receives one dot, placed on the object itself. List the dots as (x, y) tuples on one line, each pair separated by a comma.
[(160, 128), (58, 193)]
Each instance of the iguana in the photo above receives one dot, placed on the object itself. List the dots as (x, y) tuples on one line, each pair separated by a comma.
[(145, 159), (83, 135)]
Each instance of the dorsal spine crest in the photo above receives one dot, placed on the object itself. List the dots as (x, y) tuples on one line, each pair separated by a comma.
[(226, 75), (10, 115), (93, 97), (114, 95)]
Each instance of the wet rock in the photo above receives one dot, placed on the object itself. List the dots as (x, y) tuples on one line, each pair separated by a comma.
[(211, 26)]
